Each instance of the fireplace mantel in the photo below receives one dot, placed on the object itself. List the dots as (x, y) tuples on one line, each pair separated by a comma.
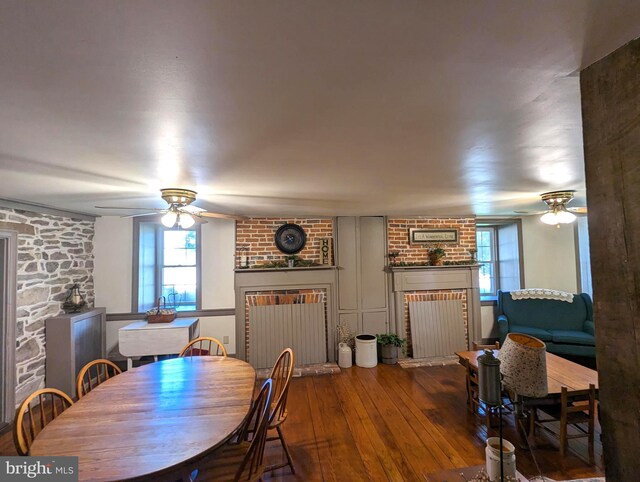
[(406, 279)]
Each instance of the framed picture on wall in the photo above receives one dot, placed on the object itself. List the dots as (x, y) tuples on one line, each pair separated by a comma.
[(433, 236)]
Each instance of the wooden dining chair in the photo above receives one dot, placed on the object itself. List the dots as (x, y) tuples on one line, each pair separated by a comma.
[(204, 346), (281, 375), (244, 460), (577, 408), (93, 374), (479, 346), (32, 417)]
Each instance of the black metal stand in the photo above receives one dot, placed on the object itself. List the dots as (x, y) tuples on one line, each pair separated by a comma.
[(500, 435)]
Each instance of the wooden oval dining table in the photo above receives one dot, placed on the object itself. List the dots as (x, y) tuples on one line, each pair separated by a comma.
[(153, 422)]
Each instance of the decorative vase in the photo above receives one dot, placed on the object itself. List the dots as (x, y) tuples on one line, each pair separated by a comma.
[(344, 355), (389, 354), (291, 262)]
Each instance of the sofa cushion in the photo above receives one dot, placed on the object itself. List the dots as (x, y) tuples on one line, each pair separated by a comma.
[(539, 333), (573, 337)]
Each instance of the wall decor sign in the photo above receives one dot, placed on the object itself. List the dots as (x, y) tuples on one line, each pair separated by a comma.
[(433, 236), (326, 250)]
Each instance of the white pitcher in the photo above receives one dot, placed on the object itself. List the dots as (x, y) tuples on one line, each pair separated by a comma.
[(344, 355)]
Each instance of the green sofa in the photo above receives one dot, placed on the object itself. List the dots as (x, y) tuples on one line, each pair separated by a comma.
[(566, 328)]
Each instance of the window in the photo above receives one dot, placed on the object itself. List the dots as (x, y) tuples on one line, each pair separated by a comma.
[(168, 264), (498, 245), (486, 244), (584, 260)]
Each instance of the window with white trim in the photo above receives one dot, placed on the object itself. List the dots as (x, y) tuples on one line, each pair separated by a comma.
[(168, 265), (498, 247)]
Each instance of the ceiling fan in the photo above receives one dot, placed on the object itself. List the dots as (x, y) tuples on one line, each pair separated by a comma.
[(558, 212), (180, 211)]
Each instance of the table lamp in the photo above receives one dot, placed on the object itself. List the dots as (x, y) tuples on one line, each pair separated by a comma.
[(523, 364)]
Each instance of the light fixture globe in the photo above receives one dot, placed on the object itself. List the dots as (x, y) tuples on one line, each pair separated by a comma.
[(565, 217), (185, 220), (169, 219), (549, 218)]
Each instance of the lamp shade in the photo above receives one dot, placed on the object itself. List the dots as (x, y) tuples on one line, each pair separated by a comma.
[(523, 364)]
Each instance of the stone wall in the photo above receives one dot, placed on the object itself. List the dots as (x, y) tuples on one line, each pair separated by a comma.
[(53, 253)]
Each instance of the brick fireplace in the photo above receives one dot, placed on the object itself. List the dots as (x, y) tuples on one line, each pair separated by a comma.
[(442, 306), (286, 308)]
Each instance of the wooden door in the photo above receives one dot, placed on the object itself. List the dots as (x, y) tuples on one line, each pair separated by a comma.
[(362, 281)]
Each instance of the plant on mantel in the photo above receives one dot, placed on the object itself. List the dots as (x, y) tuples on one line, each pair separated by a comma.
[(435, 255), (278, 263), (461, 262)]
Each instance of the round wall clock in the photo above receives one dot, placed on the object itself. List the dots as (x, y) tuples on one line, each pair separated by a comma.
[(290, 238)]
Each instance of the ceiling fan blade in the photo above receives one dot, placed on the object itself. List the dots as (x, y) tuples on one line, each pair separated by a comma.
[(527, 213), (140, 215), (220, 215), (138, 208), (578, 210)]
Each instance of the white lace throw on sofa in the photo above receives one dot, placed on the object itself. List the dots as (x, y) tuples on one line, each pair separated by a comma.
[(542, 294)]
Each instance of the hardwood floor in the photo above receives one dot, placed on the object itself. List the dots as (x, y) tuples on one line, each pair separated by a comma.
[(390, 423)]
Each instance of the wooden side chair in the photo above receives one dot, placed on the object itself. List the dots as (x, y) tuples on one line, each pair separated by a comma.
[(93, 374), (577, 408), (242, 461), (204, 346), (281, 375), (479, 346), (47, 405)]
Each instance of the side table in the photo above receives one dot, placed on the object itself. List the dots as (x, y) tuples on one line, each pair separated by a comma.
[(143, 339)]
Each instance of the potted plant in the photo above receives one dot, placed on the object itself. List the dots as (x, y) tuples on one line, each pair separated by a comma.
[(435, 255), (389, 344)]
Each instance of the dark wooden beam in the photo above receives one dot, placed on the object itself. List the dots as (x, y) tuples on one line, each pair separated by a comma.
[(611, 123)]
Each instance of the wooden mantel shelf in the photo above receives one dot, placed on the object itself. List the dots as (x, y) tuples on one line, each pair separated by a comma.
[(445, 266), (297, 268)]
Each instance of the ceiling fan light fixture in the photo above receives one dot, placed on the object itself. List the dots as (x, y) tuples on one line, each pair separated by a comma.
[(169, 219), (557, 202), (185, 220)]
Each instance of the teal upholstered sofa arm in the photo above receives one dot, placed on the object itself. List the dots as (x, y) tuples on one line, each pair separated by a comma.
[(503, 324), (589, 327)]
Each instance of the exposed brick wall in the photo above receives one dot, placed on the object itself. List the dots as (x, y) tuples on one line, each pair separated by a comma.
[(255, 238), (398, 238), (439, 295)]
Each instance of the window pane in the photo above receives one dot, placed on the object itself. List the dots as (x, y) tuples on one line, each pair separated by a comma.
[(484, 253), (179, 287), (487, 279), (179, 248), (484, 240)]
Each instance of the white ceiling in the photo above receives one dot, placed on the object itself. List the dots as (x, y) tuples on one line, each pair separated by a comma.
[(299, 107)]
